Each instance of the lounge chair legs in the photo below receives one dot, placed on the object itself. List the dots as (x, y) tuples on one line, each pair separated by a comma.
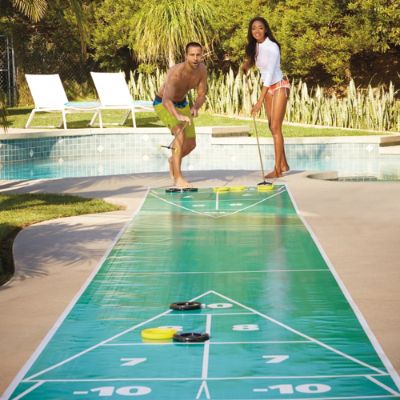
[(30, 118), (100, 120), (126, 117), (93, 120), (133, 117), (64, 118)]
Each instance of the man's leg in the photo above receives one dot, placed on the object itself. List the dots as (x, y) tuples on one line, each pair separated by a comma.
[(189, 144), (181, 149), (184, 142)]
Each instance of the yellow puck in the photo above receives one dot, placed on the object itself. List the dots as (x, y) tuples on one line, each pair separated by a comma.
[(265, 188), (158, 333), (237, 188), (221, 189)]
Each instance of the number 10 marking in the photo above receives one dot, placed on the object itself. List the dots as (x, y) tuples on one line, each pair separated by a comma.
[(108, 391), (289, 389)]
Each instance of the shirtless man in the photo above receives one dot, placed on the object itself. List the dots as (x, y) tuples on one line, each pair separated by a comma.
[(173, 109)]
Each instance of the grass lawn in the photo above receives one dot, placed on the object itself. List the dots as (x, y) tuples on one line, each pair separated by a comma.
[(18, 116), (19, 211)]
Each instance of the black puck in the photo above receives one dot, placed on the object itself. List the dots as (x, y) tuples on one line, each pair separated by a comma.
[(185, 305), (191, 337)]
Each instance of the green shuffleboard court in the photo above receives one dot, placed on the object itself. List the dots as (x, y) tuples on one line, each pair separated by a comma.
[(281, 324)]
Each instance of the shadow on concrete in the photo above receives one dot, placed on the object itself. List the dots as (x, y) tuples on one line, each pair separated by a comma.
[(60, 245)]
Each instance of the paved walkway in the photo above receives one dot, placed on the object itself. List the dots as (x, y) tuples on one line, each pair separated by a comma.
[(357, 224)]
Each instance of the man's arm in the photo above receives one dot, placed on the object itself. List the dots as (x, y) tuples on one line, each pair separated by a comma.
[(201, 94), (171, 82)]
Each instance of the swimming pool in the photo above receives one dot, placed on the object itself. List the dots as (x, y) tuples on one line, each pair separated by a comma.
[(115, 154)]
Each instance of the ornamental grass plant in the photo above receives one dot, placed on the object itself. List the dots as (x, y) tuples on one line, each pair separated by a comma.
[(234, 94)]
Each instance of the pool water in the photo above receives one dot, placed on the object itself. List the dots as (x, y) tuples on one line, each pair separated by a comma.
[(385, 168), (112, 154)]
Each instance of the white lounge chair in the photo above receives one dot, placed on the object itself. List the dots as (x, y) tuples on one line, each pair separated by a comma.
[(114, 94), (49, 95)]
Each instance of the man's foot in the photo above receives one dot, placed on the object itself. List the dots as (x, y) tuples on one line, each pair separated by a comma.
[(274, 174), (171, 169), (182, 183)]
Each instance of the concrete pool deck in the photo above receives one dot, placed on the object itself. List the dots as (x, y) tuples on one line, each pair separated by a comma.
[(356, 223)]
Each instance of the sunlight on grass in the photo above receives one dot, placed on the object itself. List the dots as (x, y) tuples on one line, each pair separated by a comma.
[(19, 116)]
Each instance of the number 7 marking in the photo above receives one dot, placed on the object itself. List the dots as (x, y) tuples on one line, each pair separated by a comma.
[(130, 362), (275, 359)]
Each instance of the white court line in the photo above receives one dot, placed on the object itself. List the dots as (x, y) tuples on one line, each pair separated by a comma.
[(211, 342), (375, 344), (230, 300), (179, 206), (301, 334), (94, 347), (280, 191), (265, 342), (103, 342), (31, 389), (203, 387), (222, 378), (122, 274), (382, 385), (337, 398), (206, 352)]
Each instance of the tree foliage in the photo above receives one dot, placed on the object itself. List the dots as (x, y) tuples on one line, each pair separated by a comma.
[(161, 29), (112, 24), (230, 25), (321, 40), (313, 37), (373, 24), (35, 10)]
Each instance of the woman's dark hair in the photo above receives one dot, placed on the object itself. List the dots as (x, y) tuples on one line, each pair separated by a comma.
[(251, 46)]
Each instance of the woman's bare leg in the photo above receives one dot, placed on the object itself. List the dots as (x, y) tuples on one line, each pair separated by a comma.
[(275, 107)]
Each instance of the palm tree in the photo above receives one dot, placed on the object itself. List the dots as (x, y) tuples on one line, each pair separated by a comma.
[(163, 27), (35, 10)]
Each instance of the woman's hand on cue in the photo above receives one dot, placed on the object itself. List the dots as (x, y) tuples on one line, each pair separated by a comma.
[(256, 109)]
